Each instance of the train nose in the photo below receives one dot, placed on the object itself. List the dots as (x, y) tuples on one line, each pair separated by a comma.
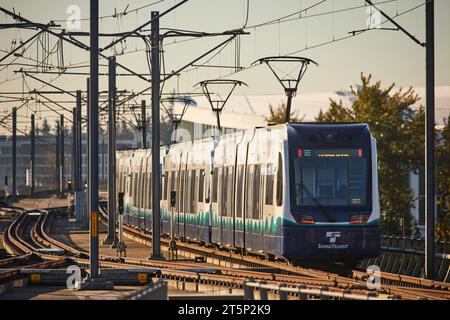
[(326, 242)]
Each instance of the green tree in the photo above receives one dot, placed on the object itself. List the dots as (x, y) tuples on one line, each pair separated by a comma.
[(400, 140), (278, 115), (443, 183)]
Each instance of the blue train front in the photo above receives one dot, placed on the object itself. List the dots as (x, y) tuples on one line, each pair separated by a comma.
[(333, 194)]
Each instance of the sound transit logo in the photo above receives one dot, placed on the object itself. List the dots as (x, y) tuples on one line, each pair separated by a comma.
[(333, 236)]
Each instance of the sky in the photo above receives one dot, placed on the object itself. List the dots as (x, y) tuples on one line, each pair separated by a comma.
[(390, 56)]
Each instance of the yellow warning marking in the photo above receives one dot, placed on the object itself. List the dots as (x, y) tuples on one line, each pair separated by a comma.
[(35, 277), (94, 223), (142, 277)]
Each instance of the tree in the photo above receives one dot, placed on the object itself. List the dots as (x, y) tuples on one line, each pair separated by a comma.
[(278, 115), (124, 131), (443, 184), (46, 128), (399, 131)]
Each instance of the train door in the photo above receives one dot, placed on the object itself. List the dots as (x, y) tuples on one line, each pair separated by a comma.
[(227, 213), (268, 208), (238, 237), (164, 202), (249, 188), (148, 193), (188, 203), (259, 236), (179, 198), (215, 220), (184, 201), (193, 204)]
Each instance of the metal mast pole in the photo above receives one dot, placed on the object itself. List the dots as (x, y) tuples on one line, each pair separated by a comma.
[(32, 166), (218, 120), (79, 150), (430, 149), (74, 146), (111, 238), (93, 142), (288, 107), (14, 152), (58, 159), (156, 176), (143, 125), (61, 155)]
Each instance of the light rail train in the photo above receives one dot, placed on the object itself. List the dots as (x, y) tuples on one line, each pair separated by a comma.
[(300, 191)]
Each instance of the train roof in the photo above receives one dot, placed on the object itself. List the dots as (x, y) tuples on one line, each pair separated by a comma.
[(328, 133)]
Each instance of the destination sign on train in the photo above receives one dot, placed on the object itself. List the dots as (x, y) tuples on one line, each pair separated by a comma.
[(329, 153)]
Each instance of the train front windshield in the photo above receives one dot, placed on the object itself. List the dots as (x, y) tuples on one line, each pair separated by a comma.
[(331, 177)]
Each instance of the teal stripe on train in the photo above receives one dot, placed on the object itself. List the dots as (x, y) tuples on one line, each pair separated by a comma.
[(272, 227)]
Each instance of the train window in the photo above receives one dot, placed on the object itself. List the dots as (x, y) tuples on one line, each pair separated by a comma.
[(133, 195), (165, 186), (224, 188), (140, 189), (230, 192), (201, 185), (269, 185), (145, 190), (249, 192), (172, 180), (187, 200), (256, 192), (240, 176), (187, 204), (119, 180), (192, 195), (175, 185), (169, 184), (280, 181), (207, 185), (137, 191), (181, 202), (130, 186), (215, 182)]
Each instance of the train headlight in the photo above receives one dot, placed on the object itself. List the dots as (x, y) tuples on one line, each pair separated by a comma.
[(359, 218), (306, 219)]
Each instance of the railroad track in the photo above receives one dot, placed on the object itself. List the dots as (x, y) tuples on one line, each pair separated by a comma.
[(27, 235), (357, 277), (204, 275)]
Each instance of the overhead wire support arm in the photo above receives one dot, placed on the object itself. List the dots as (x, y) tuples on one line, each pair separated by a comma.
[(127, 34), (21, 45), (70, 39), (199, 58), (413, 38), (48, 84), (288, 82)]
